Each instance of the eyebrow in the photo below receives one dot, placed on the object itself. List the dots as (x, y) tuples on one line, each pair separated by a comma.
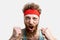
[(27, 17), (35, 17)]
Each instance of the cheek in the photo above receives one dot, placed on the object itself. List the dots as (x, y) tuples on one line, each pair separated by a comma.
[(36, 22), (26, 22)]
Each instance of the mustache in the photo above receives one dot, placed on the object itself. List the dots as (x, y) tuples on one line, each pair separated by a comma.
[(30, 25)]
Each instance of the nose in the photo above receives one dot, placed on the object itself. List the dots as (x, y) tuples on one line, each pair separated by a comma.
[(31, 21)]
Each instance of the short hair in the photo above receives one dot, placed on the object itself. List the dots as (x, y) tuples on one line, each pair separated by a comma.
[(31, 6)]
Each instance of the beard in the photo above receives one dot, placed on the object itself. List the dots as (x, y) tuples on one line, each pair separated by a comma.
[(31, 30)]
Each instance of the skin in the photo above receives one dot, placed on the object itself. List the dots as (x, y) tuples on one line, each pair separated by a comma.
[(31, 22)]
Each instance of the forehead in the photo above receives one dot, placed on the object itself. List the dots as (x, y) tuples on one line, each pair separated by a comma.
[(31, 15)]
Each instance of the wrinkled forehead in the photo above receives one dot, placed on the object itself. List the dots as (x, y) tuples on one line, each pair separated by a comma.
[(31, 15)]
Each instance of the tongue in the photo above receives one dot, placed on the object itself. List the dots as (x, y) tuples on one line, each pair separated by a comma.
[(31, 28)]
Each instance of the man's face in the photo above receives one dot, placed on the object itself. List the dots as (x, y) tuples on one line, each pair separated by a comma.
[(31, 22)]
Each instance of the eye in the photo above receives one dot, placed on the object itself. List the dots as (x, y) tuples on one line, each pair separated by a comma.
[(27, 18), (34, 18)]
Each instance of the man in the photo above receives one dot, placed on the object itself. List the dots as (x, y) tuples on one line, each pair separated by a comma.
[(32, 14)]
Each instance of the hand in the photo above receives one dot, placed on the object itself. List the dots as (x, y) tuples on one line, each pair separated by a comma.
[(47, 34), (16, 34), (16, 31)]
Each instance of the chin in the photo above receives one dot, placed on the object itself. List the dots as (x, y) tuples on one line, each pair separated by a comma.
[(32, 30)]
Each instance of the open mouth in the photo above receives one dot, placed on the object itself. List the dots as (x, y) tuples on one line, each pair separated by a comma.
[(31, 28)]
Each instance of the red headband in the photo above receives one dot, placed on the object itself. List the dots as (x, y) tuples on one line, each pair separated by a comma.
[(31, 11)]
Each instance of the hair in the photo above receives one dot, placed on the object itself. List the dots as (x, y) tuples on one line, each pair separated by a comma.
[(31, 6)]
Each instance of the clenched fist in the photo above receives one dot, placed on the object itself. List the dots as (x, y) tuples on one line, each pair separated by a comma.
[(16, 31), (16, 34), (47, 34)]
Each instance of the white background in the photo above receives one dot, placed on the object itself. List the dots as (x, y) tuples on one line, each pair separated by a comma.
[(11, 16)]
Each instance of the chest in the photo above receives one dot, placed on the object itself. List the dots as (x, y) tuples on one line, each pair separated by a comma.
[(30, 38)]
